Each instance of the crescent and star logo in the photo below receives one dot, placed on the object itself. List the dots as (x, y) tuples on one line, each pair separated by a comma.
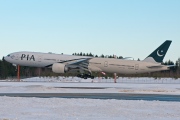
[(160, 54)]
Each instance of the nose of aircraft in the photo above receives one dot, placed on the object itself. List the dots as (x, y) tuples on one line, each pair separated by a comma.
[(5, 58)]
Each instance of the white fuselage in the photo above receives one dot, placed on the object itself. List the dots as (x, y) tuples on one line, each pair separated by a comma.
[(109, 65)]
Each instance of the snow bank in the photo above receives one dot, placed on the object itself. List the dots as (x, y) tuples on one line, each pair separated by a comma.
[(103, 80)]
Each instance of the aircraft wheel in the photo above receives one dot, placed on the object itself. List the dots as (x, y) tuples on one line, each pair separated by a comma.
[(92, 77), (78, 75)]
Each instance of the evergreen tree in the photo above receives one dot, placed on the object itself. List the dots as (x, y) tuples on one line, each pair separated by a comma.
[(4, 69), (0, 69), (176, 67), (90, 54), (171, 63), (178, 62), (110, 56), (102, 56), (120, 57), (7, 69)]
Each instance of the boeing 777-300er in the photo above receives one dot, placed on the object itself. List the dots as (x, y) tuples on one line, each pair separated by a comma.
[(60, 63)]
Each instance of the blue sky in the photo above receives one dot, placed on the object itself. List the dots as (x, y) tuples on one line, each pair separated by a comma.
[(128, 28)]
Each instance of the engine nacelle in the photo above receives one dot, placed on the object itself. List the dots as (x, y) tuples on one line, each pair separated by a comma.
[(59, 68)]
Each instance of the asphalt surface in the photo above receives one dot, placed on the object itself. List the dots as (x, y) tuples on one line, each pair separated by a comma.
[(117, 96)]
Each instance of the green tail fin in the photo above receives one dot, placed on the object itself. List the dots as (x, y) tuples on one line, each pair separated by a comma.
[(159, 54)]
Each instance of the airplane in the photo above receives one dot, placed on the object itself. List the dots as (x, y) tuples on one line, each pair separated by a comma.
[(61, 63)]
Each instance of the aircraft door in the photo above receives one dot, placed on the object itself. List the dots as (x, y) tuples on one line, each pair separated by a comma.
[(39, 58), (106, 64), (136, 67)]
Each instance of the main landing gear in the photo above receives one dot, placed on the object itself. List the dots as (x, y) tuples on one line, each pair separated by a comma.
[(85, 76)]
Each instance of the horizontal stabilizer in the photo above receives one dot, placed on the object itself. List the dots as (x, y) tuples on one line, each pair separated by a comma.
[(171, 66)]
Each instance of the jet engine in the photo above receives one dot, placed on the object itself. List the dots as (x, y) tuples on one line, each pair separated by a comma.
[(59, 68)]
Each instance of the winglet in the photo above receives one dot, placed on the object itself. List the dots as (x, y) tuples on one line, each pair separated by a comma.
[(159, 54)]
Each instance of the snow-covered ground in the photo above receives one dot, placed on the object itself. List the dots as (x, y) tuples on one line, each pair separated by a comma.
[(69, 85), (108, 80), (17, 108), (138, 80), (22, 108)]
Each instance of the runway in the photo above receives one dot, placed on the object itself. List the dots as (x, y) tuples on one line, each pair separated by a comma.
[(117, 96), (103, 91)]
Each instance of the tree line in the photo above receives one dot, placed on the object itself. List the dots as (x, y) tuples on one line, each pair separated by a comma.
[(8, 70), (102, 55)]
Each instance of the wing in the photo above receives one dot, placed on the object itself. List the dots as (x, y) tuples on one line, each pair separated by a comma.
[(80, 64), (70, 62)]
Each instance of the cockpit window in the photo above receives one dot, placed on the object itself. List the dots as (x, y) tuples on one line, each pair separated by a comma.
[(8, 55)]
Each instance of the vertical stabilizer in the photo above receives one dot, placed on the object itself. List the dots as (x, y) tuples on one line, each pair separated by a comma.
[(159, 54)]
